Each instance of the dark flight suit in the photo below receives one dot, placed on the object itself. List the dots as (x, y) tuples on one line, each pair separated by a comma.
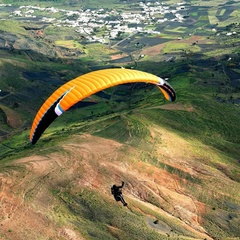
[(117, 193)]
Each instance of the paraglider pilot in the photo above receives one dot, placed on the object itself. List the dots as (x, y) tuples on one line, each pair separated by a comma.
[(117, 193)]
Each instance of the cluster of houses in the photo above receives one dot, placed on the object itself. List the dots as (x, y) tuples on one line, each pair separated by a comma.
[(101, 24)]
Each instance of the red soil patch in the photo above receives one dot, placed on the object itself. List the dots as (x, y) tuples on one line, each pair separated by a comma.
[(27, 206), (13, 119), (118, 56), (192, 39), (154, 50)]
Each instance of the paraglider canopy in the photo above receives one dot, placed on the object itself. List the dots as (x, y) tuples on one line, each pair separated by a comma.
[(83, 86)]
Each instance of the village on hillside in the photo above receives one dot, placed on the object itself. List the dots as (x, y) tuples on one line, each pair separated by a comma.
[(143, 18), (144, 29)]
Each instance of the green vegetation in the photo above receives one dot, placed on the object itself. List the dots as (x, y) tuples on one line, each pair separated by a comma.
[(91, 206), (12, 27), (99, 221), (180, 47), (69, 44), (67, 4), (203, 69)]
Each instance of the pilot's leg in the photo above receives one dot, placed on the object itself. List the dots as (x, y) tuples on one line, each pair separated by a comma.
[(122, 200)]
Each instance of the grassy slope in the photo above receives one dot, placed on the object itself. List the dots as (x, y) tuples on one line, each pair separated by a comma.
[(209, 127), (197, 144), (212, 149), (62, 191)]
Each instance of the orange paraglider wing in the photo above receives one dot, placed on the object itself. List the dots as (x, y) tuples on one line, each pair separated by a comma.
[(81, 87)]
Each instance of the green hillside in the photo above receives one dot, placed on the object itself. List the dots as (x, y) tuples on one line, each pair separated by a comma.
[(180, 160), (208, 126)]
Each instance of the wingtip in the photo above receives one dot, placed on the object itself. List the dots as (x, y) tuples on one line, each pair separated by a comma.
[(167, 90)]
